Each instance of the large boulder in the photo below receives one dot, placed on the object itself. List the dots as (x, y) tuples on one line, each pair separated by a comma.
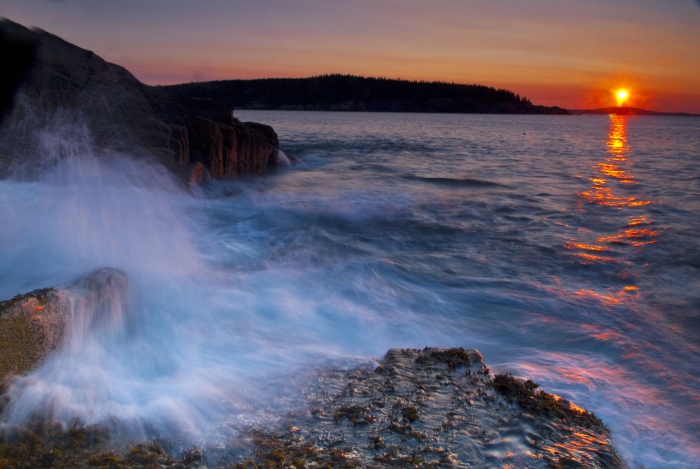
[(65, 85), (35, 324), (433, 407)]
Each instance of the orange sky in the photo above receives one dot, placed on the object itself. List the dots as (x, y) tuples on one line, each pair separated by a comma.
[(571, 53)]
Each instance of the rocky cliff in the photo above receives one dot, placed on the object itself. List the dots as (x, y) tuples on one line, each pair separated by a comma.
[(62, 84)]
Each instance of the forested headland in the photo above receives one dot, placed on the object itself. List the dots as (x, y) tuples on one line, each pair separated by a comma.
[(355, 93)]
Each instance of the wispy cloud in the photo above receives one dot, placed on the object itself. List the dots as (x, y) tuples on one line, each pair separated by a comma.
[(529, 44)]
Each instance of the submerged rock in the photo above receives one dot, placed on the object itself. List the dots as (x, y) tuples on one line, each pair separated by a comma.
[(36, 323), (73, 92)]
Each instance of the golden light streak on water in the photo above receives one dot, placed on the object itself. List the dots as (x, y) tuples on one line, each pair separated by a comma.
[(614, 168), (604, 196), (605, 299), (639, 220), (586, 247), (592, 246), (593, 257), (632, 237)]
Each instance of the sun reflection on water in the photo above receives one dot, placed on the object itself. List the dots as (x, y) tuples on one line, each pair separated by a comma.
[(611, 177), (616, 167)]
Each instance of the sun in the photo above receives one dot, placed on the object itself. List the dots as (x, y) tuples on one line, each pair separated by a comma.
[(622, 96)]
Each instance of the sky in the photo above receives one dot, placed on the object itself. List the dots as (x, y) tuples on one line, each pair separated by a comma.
[(570, 53)]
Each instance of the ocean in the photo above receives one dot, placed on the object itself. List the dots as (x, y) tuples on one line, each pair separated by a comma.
[(564, 248)]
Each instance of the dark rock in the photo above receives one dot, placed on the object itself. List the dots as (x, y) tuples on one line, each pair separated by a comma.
[(56, 447), (180, 143), (255, 153), (230, 152), (207, 145), (439, 408), (429, 408), (267, 131), (198, 174), (16, 48), (69, 86)]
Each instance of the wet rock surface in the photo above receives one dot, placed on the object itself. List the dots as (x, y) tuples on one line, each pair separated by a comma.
[(427, 408), (34, 324), (433, 408), (73, 89), (75, 446), (31, 326)]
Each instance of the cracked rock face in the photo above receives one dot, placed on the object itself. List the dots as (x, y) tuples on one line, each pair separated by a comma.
[(431, 408)]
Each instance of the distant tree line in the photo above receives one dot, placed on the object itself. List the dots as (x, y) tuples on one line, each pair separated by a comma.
[(354, 93)]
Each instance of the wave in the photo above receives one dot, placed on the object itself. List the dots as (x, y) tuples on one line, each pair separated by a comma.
[(452, 182)]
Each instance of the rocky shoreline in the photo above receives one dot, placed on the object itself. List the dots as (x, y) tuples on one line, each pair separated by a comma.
[(62, 85), (419, 408)]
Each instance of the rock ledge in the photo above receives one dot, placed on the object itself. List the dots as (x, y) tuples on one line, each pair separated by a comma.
[(64, 88)]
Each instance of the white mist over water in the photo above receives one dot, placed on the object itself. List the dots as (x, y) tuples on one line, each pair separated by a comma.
[(86, 213), (393, 231), (283, 158), (195, 345)]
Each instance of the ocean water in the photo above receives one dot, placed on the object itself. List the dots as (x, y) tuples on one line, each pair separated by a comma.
[(564, 248)]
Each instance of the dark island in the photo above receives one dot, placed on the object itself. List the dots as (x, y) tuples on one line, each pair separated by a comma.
[(354, 93), (632, 111)]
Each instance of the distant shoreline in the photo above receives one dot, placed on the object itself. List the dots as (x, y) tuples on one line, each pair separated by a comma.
[(355, 93), (338, 93), (630, 111), (593, 112)]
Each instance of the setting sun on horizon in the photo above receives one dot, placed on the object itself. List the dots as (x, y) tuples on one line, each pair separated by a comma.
[(532, 47), (224, 222), (622, 96)]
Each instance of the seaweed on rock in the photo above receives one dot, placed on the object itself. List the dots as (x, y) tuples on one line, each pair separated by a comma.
[(425, 408), (430, 408), (526, 394)]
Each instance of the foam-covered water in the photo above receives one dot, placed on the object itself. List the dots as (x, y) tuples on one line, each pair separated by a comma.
[(564, 248)]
